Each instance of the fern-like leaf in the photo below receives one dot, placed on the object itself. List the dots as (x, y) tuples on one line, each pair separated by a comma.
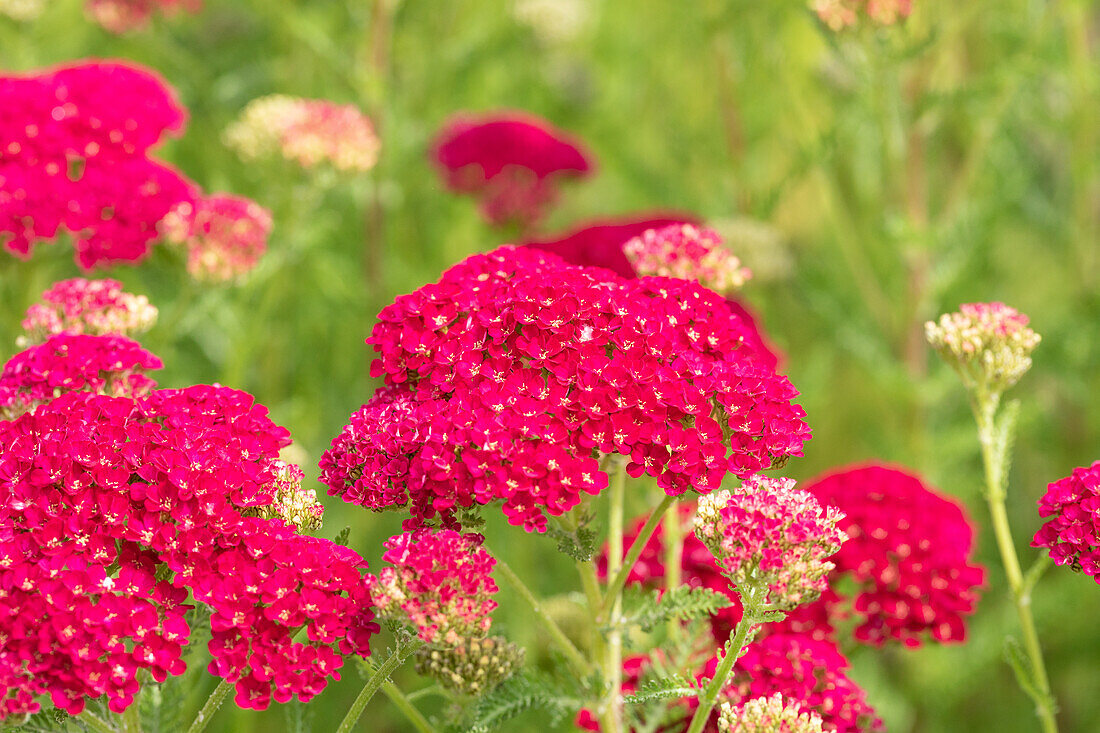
[(682, 603)]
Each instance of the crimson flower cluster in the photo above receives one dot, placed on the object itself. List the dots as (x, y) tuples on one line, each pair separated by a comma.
[(224, 235), (109, 365), (123, 16), (1071, 535), (113, 510), (440, 581), (88, 306), (511, 161), (511, 375)]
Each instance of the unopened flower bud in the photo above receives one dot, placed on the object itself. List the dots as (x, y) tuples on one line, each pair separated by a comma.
[(690, 253), (768, 715), (988, 344), (291, 502), (80, 306), (472, 666)]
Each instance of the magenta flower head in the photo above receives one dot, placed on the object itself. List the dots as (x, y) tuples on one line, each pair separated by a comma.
[(768, 715), (224, 235), (106, 365), (440, 582), (95, 307), (124, 16), (114, 511), (511, 161), (76, 157), (1072, 534), (306, 131), (988, 344), (908, 552), (509, 378), (770, 537), (687, 252)]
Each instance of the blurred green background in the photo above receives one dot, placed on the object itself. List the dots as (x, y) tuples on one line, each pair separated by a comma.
[(873, 178)]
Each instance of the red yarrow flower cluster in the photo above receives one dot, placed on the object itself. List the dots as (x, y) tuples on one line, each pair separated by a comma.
[(908, 552), (95, 307), (75, 156), (224, 235), (307, 131), (107, 365), (770, 536), (1071, 535), (113, 510), (511, 375), (687, 252), (440, 582), (124, 16), (513, 162)]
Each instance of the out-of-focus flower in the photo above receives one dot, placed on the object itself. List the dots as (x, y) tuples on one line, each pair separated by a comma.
[(440, 582), (553, 21), (290, 501), (95, 307), (513, 162), (473, 666), (1072, 534), (839, 14), (224, 235), (509, 377), (106, 365), (768, 535), (306, 131), (22, 9), (75, 156), (768, 715), (988, 344), (114, 510), (687, 252), (124, 16)]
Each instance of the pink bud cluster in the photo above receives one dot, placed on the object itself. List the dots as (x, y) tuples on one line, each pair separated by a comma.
[(768, 715), (908, 552), (75, 155), (687, 252), (511, 161), (124, 16), (307, 131), (113, 510), (989, 344), (512, 374), (290, 501), (1072, 534), (95, 307), (224, 235), (107, 365), (440, 582), (770, 536), (839, 14)]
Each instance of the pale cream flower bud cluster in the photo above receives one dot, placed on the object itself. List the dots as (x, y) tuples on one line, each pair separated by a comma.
[(472, 666), (768, 715), (989, 344)]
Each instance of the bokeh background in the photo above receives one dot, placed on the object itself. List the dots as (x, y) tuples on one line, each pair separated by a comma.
[(872, 178)]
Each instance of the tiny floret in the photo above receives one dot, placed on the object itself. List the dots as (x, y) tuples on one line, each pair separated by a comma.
[(768, 715), (687, 252), (988, 344)]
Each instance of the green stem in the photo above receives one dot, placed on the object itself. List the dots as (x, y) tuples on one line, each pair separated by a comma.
[(611, 710), (131, 719), (95, 722), (673, 527), (752, 600), (404, 704), (203, 717), (994, 462), (567, 647), (380, 678), (615, 587)]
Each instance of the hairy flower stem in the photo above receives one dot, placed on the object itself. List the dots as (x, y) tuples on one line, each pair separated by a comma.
[(94, 722), (995, 440), (752, 601), (580, 664), (206, 714), (673, 527), (380, 678), (611, 710)]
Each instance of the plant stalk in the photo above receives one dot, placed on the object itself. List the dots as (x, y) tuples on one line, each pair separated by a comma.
[(217, 697), (94, 722), (610, 613), (380, 678)]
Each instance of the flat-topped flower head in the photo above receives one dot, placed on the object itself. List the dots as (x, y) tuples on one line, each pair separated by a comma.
[(687, 252), (124, 16), (510, 378), (770, 537), (224, 235), (290, 501), (768, 715), (473, 665), (840, 14), (75, 157), (95, 307), (115, 511), (440, 582), (22, 10), (909, 553), (988, 344), (106, 365), (307, 131), (511, 161), (1072, 534)]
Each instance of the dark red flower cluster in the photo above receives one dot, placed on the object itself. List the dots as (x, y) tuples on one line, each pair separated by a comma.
[(512, 374), (108, 365), (123, 16), (511, 161), (909, 553), (113, 509), (75, 156), (1072, 534)]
